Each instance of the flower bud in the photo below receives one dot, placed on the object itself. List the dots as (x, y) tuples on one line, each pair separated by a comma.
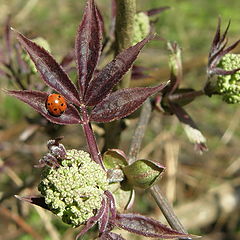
[(229, 85), (143, 173), (74, 191), (141, 27)]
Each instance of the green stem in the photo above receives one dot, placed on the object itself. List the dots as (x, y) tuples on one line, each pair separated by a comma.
[(126, 10), (125, 13)]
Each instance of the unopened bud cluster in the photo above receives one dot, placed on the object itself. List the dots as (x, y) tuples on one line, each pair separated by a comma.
[(141, 27), (229, 85), (74, 190)]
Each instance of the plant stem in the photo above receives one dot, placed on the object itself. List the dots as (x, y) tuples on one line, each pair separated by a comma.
[(166, 209), (125, 13), (90, 138), (184, 96), (126, 10), (140, 131), (160, 199)]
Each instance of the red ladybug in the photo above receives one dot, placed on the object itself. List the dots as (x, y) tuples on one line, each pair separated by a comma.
[(56, 104)]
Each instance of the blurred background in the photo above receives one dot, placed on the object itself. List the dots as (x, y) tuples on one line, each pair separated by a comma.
[(204, 189)]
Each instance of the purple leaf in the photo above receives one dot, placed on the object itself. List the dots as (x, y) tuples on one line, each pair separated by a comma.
[(216, 38), (190, 127), (147, 227), (213, 55), (100, 19), (218, 50), (67, 59), (93, 220), (51, 72), (36, 200), (155, 11), (37, 101), (112, 73), (88, 45), (225, 51), (111, 236), (121, 103)]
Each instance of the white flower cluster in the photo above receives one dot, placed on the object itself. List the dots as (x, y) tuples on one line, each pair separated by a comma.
[(74, 190)]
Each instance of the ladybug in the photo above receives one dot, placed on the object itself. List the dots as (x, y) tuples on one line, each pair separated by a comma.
[(56, 104)]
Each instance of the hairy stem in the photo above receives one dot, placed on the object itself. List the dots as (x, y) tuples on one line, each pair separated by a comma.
[(160, 199), (125, 12), (90, 138)]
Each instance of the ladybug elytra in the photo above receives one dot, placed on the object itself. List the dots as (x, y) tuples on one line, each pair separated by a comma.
[(56, 104)]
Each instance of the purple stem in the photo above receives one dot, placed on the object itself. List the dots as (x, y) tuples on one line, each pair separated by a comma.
[(180, 96), (91, 140)]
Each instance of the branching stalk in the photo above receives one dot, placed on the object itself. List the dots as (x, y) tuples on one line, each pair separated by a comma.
[(160, 199)]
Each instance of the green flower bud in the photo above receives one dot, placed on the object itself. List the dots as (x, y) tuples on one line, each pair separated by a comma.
[(143, 173), (74, 191), (42, 43), (141, 27), (229, 86)]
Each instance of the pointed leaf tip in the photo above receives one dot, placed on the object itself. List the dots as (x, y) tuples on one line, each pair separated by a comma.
[(122, 103), (147, 227), (36, 200), (193, 133), (112, 73), (51, 72), (88, 45)]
